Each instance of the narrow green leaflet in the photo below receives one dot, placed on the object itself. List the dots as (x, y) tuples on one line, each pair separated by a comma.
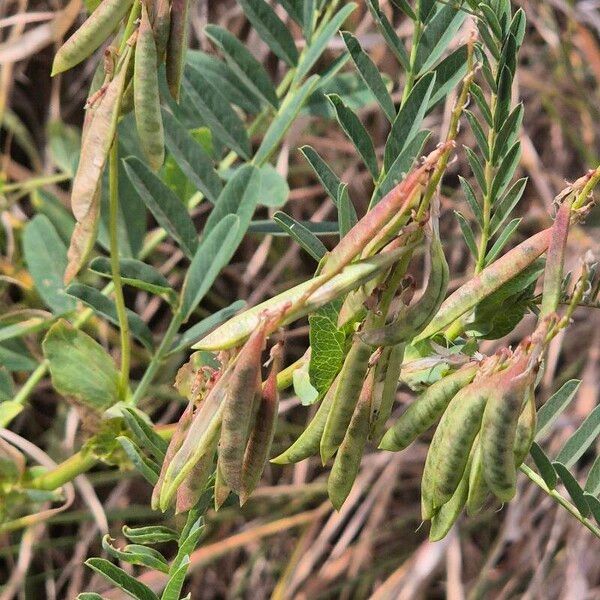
[(147, 468), (594, 506), (271, 29), (294, 9), (555, 406), (214, 252), (409, 119), (573, 488), (122, 580), (243, 64), (319, 42), (150, 534), (46, 256), (287, 113), (214, 110), (199, 330), (506, 171), (592, 485), (173, 588), (141, 428), (80, 367), (506, 205), (191, 157), (370, 74), (471, 199), (7, 386), (329, 180), (544, 466), (318, 228), (447, 74), (105, 308), (239, 197), (307, 240), (14, 356), (164, 205), (581, 440), (137, 274), (392, 39), (467, 232), (437, 35), (347, 217), (502, 240), (327, 345), (136, 554), (357, 134)]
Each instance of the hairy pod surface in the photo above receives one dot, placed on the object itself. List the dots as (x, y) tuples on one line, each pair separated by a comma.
[(526, 427), (351, 379), (395, 202), (454, 437), (146, 95), (308, 442), (414, 318), (498, 431), (263, 430), (177, 45), (90, 36), (488, 281), (244, 387), (348, 457), (384, 395), (426, 409), (295, 304), (443, 520)]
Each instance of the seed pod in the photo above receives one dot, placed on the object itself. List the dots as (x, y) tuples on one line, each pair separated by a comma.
[(454, 437), (244, 386), (174, 445), (487, 282), (347, 460), (147, 102), (197, 441), (222, 490), (384, 395), (261, 436), (394, 203), (307, 444), (90, 36), (413, 319), (294, 304), (85, 196), (177, 45), (351, 379), (498, 431), (446, 516), (161, 23), (426, 409), (193, 486), (478, 489)]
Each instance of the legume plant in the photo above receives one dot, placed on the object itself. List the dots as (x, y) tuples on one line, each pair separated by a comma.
[(170, 134)]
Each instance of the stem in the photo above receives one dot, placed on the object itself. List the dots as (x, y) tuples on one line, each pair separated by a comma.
[(411, 75), (570, 508), (115, 268), (134, 14), (67, 471)]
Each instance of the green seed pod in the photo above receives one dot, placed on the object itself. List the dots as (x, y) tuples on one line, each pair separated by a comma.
[(244, 387), (222, 490), (307, 444), (161, 24), (498, 431), (478, 489), (146, 95), (261, 436), (454, 437), (351, 379), (90, 36), (384, 392), (526, 428), (446, 516), (426, 409), (414, 318), (294, 304), (347, 460), (177, 45)]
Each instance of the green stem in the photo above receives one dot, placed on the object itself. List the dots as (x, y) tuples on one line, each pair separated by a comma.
[(67, 471), (134, 14), (570, 508), (35, 183), (116, 269)]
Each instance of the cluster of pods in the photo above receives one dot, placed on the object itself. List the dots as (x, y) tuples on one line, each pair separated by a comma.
[(126, 80)]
